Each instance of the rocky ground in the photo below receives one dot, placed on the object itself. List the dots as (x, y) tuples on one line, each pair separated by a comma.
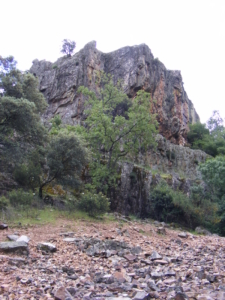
[(116, 260)]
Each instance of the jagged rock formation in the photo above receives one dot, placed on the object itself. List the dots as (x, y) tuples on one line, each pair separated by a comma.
[(136, 67), (174, 163)]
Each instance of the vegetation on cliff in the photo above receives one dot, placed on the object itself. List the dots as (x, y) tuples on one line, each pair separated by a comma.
[(115, 127), (210, 138), (83, 162)]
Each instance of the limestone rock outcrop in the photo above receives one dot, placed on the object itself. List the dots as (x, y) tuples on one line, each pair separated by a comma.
[(136, 67)]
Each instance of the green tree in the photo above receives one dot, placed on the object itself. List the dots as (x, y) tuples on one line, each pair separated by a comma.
[(197, 132), (66, 156), (116, 127), (68, 47), (213, 173), (7, 64), (20, 129), (94, 204), (21, 102), (211, 139)]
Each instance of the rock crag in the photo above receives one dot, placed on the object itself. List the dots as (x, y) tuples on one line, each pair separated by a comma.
[(136, 67)]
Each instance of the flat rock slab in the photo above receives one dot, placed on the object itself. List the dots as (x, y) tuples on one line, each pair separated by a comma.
[(70, 240), (130, 257), (12, 237), (160, 262), (13, 246), (23, 238), (69, 233), (46, 247)]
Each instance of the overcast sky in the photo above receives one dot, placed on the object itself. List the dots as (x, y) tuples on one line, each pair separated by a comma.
[(186, 35)]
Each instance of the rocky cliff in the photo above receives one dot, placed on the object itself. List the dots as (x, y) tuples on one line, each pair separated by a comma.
[(137, 68), (175, 164)]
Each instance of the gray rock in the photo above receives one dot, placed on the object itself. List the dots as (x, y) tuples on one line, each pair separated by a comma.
[(46, 247), (155, 256), (183, 235), (12, 237), (16, 261), (3, 226), (13, 246), (70, 240), (23, 238), (153, 286), (201, 230), (161, 230), (141, 296), (181, 296), (169, 273), (62, 294), (69, 233), (136, 250), (156, 275)]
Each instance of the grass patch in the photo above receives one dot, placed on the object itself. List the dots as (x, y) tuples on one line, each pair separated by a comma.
[(48, 215), (166, 176)]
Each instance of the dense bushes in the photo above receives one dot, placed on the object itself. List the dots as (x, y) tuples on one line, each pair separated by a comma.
[(4, 202), (210, 138), (19, 197), (168, 205), (94, 204)]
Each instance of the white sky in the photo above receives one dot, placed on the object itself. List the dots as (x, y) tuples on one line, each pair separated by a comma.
[(186, 35)]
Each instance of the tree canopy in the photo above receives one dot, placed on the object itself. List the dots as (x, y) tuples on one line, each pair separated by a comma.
[(210, 138), (68, 47), (20, 105), (116, 127)]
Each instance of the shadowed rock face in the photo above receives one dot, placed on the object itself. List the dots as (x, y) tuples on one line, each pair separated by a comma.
[(136, 67)]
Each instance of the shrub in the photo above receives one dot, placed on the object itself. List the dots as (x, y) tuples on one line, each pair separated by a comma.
[(4, 202), (166, 204), (162, 206), (20, 197), (93, 204)]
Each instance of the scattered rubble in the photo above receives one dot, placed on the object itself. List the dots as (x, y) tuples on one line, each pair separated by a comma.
[(95, 262)]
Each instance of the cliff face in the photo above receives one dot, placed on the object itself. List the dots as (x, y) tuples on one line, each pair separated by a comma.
[(136, 67), (173, 163)]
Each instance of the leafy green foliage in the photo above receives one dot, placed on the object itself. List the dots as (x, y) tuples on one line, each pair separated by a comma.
[(197, 132), (166, 204), (115, 127), (28, 173), (211, 139), (20, 197), (66, 157), (162, 205), (4, 202), (7, 64), (68, 47), (94, 204), (213, 173)]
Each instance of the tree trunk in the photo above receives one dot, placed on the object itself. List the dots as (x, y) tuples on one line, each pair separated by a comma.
[(40, 192)]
